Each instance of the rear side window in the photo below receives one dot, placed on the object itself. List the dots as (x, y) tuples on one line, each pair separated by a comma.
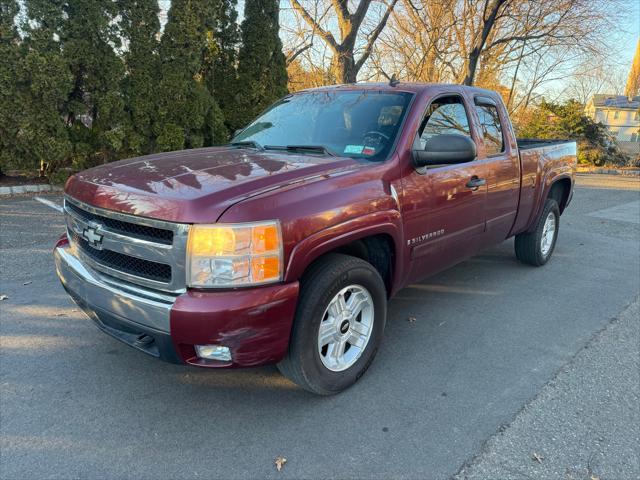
[(491, 128), (445, 115)]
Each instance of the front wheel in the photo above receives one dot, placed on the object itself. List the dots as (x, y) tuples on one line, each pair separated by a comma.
[(338, 326), (535, 248)]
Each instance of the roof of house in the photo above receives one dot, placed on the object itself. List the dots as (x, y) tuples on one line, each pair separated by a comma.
[(615, 101)]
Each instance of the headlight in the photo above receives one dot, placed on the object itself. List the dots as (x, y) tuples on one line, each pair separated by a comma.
[(234, 255)]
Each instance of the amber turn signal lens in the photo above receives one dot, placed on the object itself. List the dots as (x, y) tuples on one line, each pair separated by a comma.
[(264, 238), (265, 268)]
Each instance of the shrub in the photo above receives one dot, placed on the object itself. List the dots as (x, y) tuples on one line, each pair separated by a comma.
[(567, 120)]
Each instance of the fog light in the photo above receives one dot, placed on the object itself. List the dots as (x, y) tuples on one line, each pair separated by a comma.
[(214, 352)]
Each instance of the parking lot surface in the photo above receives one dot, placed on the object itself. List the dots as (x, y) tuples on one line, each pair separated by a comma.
[(474, 386)]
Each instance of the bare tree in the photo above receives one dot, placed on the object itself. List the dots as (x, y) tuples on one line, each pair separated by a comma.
[(418, 43), (308, 57), (467, 41), (344, 64), (594, 76), (490, 14)]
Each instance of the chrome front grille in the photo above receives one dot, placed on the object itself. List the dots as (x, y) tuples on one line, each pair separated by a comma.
[(138, 250), (143, 232)]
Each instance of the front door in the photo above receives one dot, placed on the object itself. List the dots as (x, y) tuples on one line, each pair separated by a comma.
[(444, 206)]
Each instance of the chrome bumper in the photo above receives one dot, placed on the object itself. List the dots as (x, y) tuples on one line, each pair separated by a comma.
[(126, 313)]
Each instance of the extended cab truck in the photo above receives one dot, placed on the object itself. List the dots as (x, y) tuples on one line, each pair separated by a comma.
[(284, 246)]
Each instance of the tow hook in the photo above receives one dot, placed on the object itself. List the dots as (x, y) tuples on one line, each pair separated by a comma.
[(144, 340)]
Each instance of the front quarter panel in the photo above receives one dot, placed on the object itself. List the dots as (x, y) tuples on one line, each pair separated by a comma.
[(324, 213)]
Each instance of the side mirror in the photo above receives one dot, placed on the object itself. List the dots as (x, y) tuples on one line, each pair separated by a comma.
[(445, 149)]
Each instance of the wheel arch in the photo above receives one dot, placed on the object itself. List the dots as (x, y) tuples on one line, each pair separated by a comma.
[(560, 186), (560, 190), (376, 243)]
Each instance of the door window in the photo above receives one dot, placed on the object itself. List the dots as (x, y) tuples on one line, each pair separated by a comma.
[(445, 115), (491, 128)]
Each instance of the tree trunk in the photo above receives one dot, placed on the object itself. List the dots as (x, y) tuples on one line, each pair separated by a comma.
[(474, 55), (472, 65), (344, 67)]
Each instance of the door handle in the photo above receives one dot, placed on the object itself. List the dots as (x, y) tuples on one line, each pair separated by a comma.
[(476, 182)]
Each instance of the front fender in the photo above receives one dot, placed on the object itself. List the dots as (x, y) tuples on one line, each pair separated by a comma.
[(384, 222)]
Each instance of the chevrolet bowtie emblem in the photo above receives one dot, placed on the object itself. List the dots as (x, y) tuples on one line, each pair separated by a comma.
[(91, 235)]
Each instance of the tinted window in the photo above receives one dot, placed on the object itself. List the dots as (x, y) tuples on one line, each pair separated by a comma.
[(361, 124), (445, 116), (491, 128)]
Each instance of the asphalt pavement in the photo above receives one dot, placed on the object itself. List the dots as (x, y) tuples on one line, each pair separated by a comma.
[(584, 424), (508, 371)]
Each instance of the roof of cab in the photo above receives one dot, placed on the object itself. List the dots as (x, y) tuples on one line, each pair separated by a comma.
[(412, 87)]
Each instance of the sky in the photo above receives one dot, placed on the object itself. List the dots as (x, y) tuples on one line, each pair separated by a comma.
[(628, 19)]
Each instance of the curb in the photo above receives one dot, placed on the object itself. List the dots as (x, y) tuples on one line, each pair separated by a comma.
[(19, 189), (610, 171)]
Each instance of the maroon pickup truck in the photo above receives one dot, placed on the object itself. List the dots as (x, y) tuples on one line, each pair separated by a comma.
[(285, 245)]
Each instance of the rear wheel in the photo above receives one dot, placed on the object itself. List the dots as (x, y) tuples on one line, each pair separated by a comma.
[(536, 248), (338, 326)]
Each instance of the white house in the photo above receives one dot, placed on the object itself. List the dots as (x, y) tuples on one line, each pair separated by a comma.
[(621, 116)]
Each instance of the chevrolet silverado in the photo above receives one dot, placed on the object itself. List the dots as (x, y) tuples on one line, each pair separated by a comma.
[(285, 245)]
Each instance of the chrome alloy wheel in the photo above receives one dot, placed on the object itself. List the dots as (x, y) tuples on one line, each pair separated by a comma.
[(346, 327), (548, 234)]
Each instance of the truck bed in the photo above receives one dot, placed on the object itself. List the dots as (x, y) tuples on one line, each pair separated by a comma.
[(527, 143), (540, 161)]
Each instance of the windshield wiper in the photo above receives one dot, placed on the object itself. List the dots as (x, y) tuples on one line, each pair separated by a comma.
[(247, 143), (301, 148)]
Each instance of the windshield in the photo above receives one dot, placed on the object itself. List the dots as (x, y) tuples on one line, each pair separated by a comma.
[(359, 124)]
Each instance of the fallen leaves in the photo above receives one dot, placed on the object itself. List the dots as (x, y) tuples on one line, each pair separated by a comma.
[(537, 458), (280, 461), (411, 319), (3, 297), (27, 282)]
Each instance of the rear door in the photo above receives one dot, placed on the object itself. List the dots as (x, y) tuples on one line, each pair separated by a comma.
[(443, 206), (499, 153)]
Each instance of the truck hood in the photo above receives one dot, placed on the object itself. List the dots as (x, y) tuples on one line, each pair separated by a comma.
[(196, 186)]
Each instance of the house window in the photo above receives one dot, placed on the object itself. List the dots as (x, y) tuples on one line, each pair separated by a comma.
[(615, 114)]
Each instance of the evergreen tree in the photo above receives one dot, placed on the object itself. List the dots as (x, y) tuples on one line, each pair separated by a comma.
[(46, 83), (95, 109), (224, 37), (262, 72), (9, 66), (188, 116), (140, 27), (567, 120)]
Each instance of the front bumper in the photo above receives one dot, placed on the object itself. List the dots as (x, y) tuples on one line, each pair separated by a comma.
[(254, 323)]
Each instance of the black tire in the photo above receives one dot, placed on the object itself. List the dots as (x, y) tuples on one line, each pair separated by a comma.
[(320, 284), (529, 245)]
